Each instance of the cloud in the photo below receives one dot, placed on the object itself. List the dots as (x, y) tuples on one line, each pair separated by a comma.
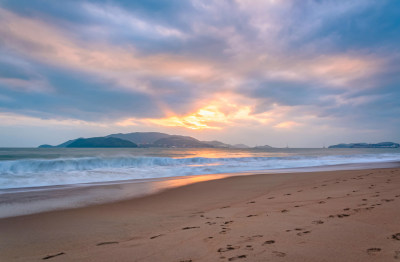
[(287, 124), (279, 64), (46, 44), (10, 119)]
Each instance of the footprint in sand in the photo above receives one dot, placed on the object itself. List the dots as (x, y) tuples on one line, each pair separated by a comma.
[(342, 215), (188, 260), (318, 222), (251, 215), (224, 230), (278, 254), (268, 242), (253, 237), (55, 255), (284, 211), (186, 228), (153, 237), (227, 248), (251, 202), (237, 257), (373, 251), (303, 233), (249, 247), (107, 243), (396, 255), (396, 236)]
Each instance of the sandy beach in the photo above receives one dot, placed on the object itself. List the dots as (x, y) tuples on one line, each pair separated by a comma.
[(316, 216)]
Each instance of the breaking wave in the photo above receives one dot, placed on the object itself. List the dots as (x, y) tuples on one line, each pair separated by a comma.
[(61, 171)]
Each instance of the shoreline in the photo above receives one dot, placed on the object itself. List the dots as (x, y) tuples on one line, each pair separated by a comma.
[(25, 201), (348, 215)]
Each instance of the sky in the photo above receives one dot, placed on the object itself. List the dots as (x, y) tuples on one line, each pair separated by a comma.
[(261, 72)]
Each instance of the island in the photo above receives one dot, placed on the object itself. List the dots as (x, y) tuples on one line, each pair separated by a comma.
[(366, 145), (144, 140)]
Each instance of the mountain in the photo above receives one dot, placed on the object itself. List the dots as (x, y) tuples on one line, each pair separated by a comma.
[(240, 146), (144, 139), (263, 147), (65, 144), (365, 145), (180, 141), (46, 146), (141, 138), (100, 142), (217, 144)]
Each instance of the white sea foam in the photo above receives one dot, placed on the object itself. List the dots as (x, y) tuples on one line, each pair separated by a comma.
[(63, 171)]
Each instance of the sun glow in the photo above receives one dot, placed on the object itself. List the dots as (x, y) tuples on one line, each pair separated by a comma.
[(217, 115), (227, 110), (205, 118)]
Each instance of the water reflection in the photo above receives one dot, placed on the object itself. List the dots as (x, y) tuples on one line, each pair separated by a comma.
[(170, 183)]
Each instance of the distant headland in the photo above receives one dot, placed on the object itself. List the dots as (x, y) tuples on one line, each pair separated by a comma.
[(366, 145), (142, 139), (163, 140)]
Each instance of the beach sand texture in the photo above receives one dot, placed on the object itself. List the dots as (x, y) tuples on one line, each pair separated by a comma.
[(315, 216)]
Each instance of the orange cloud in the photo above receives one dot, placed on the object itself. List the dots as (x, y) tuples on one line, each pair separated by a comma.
[(219, 113), (287, 124), (230, 110), (335, 70), (340, 69), (49, 44), (208, 117)]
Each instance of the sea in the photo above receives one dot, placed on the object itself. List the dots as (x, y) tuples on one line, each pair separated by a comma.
[(24, 168)]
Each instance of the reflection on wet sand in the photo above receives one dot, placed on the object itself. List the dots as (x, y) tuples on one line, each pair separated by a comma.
[(41, 199)]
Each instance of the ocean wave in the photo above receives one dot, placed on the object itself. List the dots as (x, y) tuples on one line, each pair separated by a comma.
[(60, 171), (93, 163)]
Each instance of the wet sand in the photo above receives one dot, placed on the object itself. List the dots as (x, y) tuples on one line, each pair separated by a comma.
[(315, 216)]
